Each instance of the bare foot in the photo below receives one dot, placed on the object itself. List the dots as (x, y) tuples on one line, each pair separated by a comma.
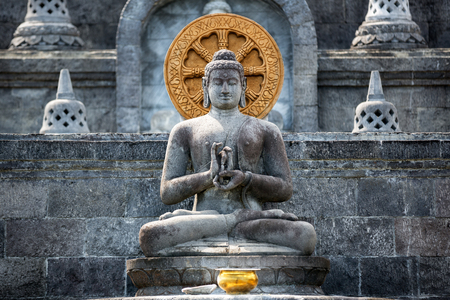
[(242, 215), (185, 212)]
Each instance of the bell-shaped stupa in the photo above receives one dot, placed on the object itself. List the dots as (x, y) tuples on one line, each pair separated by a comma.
[(376, 114), (65, 114), (47, 26), (388, 25)]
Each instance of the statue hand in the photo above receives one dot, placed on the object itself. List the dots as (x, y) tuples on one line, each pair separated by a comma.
[(215, 164), (237, 177)]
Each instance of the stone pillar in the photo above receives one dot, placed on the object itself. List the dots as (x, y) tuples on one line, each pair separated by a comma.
[(376, 114), (388, 25), (47, 27), (216, 7), (65, 114)]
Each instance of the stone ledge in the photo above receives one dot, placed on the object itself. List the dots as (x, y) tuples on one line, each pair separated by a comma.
[(243, 297), (419, 67)]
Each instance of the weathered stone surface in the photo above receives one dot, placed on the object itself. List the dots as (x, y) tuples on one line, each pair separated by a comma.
[(405, 150), (195, 277), (434, 276), (442, 192), (86, 277), (87, 198), (419, 197), (114, 236), (22, 277), (49, 237), (380, 197), (321, 197), (384, 276), (23, 199), (2, 238), (343, 278), (422, 237), (355, 236), (144, 200)]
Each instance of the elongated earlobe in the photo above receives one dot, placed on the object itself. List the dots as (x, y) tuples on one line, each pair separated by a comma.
[(242, 100), (206, 101)]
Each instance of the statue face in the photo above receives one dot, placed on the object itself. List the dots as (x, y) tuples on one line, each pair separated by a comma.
[(224, 88)]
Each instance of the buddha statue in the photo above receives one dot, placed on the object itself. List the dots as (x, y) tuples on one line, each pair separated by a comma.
[(239, 163)]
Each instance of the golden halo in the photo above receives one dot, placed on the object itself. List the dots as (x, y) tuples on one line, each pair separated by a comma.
[(194, 47)]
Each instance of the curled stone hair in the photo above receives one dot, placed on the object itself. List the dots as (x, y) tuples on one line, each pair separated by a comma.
[(223, 59)]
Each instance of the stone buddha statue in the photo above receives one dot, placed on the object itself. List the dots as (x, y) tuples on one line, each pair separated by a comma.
[(239, 163)]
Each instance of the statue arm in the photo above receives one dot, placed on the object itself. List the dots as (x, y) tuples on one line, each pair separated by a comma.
[(175, 184), (276, 185)]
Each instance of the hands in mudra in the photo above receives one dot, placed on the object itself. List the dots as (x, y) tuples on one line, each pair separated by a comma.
[(224, 178)]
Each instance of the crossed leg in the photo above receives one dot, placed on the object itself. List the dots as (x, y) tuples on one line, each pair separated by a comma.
[(273, 226)]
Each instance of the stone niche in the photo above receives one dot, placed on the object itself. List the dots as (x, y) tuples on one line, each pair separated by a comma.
[(147, 28)]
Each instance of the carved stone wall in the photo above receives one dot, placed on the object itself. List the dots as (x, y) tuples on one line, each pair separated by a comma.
[(71, 209), (147, 29)]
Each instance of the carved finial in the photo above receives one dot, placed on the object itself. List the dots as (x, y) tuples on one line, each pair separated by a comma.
[(388, 25), (65, 90), (217, 7), (47, 26), (65, 114), (375, 114), (375, 92)]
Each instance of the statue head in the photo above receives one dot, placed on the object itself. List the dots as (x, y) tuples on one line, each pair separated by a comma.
[(224, 60)]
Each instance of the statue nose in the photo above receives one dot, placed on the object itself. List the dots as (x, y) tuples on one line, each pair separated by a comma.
[(225, 88)]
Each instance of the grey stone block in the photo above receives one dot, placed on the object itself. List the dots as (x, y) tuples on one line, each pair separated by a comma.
[(49, 237), (304, 34), (343, 278), (114, 236), (336, 119), (419, 197), (306, 86), (128, 119), (442, 192), (439, 116), (99, 197), (128, 60), (22, 277), (305, 60), (2, 239), (86, 277), (327, 11), (101, 119), (321, 197), (298, 12), (130, 32), (422, 237), (355, 236), (22, 199), (389, 276), (434, 276), (380, 197), (336, 36), (305, 118), (195, 277), (144, 199), (411, 150)]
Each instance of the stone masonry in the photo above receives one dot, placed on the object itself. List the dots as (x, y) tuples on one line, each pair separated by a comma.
[(72, 206)]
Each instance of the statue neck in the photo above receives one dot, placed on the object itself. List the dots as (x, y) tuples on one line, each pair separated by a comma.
[(224, 113)]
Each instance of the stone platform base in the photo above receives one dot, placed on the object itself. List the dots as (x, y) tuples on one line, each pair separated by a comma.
[(279, 274), (245, 297)]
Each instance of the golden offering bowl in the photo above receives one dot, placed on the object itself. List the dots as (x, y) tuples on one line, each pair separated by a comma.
[(237, 281)]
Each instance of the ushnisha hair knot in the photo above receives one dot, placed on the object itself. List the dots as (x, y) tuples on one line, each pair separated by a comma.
[(224, 59)]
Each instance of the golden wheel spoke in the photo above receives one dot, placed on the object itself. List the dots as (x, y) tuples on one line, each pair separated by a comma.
[(193, 72), (245, 50), (198, 97), (253, 71), (223, 38), (202, 51), (250, 94)]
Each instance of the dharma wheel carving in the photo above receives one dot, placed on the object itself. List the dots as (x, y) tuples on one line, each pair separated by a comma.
[(195, 46)]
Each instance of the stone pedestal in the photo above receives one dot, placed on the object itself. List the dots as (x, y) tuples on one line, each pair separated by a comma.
[(279, 274)]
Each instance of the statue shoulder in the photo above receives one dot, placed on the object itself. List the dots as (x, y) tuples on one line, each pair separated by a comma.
[(266, 127)]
